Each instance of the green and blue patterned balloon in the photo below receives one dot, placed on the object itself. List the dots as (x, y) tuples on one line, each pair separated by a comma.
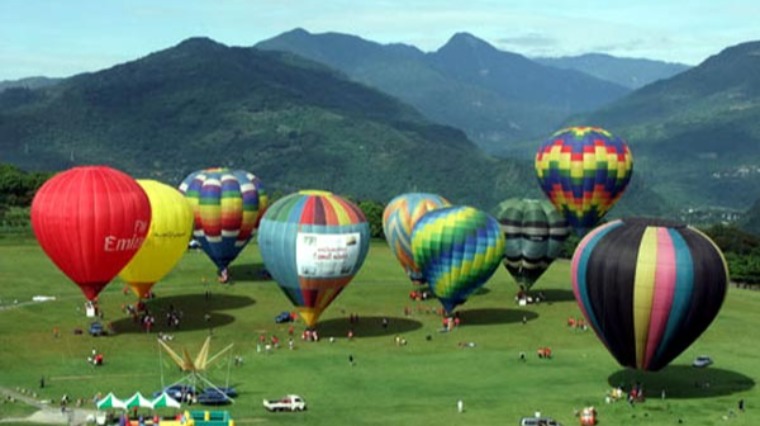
[(457, 249)]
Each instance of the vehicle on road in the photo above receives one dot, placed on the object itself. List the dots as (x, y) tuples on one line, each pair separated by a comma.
[(702, 361), (286, 403)]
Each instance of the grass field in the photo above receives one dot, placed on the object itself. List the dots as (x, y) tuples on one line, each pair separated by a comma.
[(416, 384)]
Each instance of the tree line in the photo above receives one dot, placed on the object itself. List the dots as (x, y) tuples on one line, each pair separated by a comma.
[(17, 189)]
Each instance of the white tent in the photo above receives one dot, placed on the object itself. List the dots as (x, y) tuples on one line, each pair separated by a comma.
[(110, 401), (137, 400), (164, 400)]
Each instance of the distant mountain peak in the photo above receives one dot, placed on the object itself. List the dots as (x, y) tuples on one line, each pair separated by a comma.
[(298, 31), (467, 40), (200, 43)]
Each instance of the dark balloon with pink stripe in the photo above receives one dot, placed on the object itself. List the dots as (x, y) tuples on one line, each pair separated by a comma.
[(648, 288)]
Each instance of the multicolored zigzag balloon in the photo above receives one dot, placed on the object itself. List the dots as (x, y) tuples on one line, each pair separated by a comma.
[(584, 171)]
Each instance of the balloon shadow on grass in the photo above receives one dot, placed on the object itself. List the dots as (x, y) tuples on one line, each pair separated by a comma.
[(189, 322), (495, 316), (554, 295), (367, 327), (249, 272), (684, 382), (191, 303), (191, 309)]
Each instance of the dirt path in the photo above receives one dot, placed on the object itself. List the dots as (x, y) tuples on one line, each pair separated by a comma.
[(46, 413)]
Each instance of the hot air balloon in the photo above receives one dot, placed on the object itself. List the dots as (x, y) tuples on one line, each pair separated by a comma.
[(648, 288), (457, 250), (399, 218), (90, 221), (313, 243), (227, 205), (584, 171), (170, 230), (534, 232)]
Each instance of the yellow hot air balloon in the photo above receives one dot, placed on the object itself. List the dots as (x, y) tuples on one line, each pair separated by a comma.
[(170, 230)]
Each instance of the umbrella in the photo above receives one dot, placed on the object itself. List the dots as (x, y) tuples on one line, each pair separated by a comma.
[(110, 401), (164, 400), (137, 400)]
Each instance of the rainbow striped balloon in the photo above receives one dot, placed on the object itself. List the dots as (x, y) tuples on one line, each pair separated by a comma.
[(399, 218), (313, 243), (584, 171), (458, 249), (227, 205), (648, 288)]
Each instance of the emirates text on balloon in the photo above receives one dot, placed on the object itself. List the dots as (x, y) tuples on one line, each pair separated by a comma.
[(112, 243), (122, 244)]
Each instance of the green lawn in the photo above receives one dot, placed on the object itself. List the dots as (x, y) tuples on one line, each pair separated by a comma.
[(417, 384)]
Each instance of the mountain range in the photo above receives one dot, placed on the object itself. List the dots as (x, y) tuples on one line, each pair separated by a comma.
[(295, 123), (348, 115), (697, 134), (632, 73), (496, 97)]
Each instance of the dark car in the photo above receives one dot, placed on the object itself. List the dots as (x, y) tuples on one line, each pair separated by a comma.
[(178, 392), (96, 329), (211, 396), (702, 361), (283, 317)]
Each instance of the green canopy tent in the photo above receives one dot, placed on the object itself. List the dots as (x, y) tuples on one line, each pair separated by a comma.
[(110, 401), (137, 400), (164, 400)]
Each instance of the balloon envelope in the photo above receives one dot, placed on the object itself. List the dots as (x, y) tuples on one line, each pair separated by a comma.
[(399, 218), (166, 242), (90, 221), (313, 243), (227, 205), (584, 171), (648, 288), (534, 232), (457, 249)]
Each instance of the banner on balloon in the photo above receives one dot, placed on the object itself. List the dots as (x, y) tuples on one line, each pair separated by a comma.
[(327, 255)]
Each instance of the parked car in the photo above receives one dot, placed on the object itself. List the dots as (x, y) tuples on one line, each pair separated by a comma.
[(702, 361), (211, 396), (538, 421), (283, 317), (97, 329), (286, 403)]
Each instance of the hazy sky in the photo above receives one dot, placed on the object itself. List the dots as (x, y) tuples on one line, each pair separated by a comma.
[(58, 38)]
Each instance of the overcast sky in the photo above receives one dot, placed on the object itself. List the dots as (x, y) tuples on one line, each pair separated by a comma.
[(59, 38)]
